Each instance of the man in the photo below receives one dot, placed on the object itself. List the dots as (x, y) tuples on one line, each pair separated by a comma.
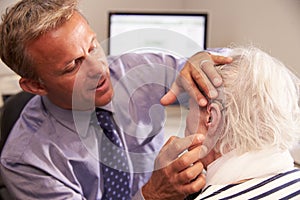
[(55, 150), (249, 130)]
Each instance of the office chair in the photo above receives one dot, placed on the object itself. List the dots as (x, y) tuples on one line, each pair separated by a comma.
[(9, 114)]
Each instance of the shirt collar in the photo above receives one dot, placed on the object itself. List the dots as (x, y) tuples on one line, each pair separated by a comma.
[(77, 121), (108, 107)]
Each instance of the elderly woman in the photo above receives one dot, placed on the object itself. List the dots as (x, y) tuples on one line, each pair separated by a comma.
[(249, 130)]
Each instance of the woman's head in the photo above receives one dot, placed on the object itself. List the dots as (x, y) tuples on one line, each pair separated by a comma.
[(260, 103)]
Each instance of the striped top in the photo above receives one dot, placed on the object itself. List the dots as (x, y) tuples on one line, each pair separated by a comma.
[(281, 186)]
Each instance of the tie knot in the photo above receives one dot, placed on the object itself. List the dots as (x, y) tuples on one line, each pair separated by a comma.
[(102, 112), (110, 130), (104, 118)]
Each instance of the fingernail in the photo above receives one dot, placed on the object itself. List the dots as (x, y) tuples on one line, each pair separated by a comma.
[(200, 137), (217, 81), (202, 102), (203, 151), (213, 93)]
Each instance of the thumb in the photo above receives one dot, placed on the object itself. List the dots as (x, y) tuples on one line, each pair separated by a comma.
[(171, 96)]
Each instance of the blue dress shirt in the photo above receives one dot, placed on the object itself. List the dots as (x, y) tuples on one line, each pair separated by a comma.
[(52, 153)]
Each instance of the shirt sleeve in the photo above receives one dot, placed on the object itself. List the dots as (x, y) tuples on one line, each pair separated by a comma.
[(219, 51), (29, 183)]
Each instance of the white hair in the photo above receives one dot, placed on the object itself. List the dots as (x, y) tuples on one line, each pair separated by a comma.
[(260, 97)]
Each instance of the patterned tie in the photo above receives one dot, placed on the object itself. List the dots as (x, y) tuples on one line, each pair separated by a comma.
[(114, 163)]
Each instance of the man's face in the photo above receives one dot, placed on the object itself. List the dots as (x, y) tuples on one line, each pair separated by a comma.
[(72, 67)]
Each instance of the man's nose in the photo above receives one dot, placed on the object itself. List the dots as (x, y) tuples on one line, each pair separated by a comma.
[(95, 66)]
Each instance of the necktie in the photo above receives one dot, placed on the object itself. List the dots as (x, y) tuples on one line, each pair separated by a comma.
[(114, 163)]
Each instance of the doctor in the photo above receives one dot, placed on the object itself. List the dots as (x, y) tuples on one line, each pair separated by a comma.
[(55, 149)]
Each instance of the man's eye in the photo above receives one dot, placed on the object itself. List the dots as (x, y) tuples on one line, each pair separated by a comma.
[(78, 62), (74, 66), (94, 50)]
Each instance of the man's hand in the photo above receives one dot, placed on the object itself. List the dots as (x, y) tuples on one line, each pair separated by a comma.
[(198, 72), (176, 177)]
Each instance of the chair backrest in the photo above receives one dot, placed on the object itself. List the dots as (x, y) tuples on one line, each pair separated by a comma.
[(10, 113)]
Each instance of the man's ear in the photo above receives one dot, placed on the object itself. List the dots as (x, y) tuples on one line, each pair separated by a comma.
[(214, 118), (32, 86)]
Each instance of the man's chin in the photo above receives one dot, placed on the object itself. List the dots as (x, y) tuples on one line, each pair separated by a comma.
[(102, 102), (103, 99)]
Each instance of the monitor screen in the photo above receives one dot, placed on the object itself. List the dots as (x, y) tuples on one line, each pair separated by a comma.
[(180, 33)]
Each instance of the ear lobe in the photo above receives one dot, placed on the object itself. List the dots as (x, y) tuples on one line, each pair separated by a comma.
[(32, 86), (214, 118)]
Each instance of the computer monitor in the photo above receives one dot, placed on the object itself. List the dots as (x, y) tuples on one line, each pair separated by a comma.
[(180, 33)]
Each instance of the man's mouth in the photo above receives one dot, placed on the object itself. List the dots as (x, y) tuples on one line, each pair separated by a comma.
[(103, 85), (100, 83)]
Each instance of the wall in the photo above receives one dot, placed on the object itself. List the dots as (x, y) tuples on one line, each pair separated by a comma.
[(273, 25), (96, 11)]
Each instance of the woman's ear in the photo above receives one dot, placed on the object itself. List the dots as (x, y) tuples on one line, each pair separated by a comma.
[(214, 125), (32, 86), (214, 118)]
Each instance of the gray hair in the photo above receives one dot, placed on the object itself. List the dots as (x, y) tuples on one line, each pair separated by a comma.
[(26, 21), (260, 97)]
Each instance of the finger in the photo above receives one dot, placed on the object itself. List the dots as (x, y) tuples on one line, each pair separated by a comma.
[(204, 74), (190, 174), (197, 145), (166, 146), (221, 59), (171, 96), (162, 160), (175, 146), (189, 85), (184, 84), (197, 139), (204, 82), (170, 140), (194, 186), (208, 67), (187, 159)]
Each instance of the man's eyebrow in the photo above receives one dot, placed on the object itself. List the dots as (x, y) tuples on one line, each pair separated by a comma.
[(65, 64), (94, 38)]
